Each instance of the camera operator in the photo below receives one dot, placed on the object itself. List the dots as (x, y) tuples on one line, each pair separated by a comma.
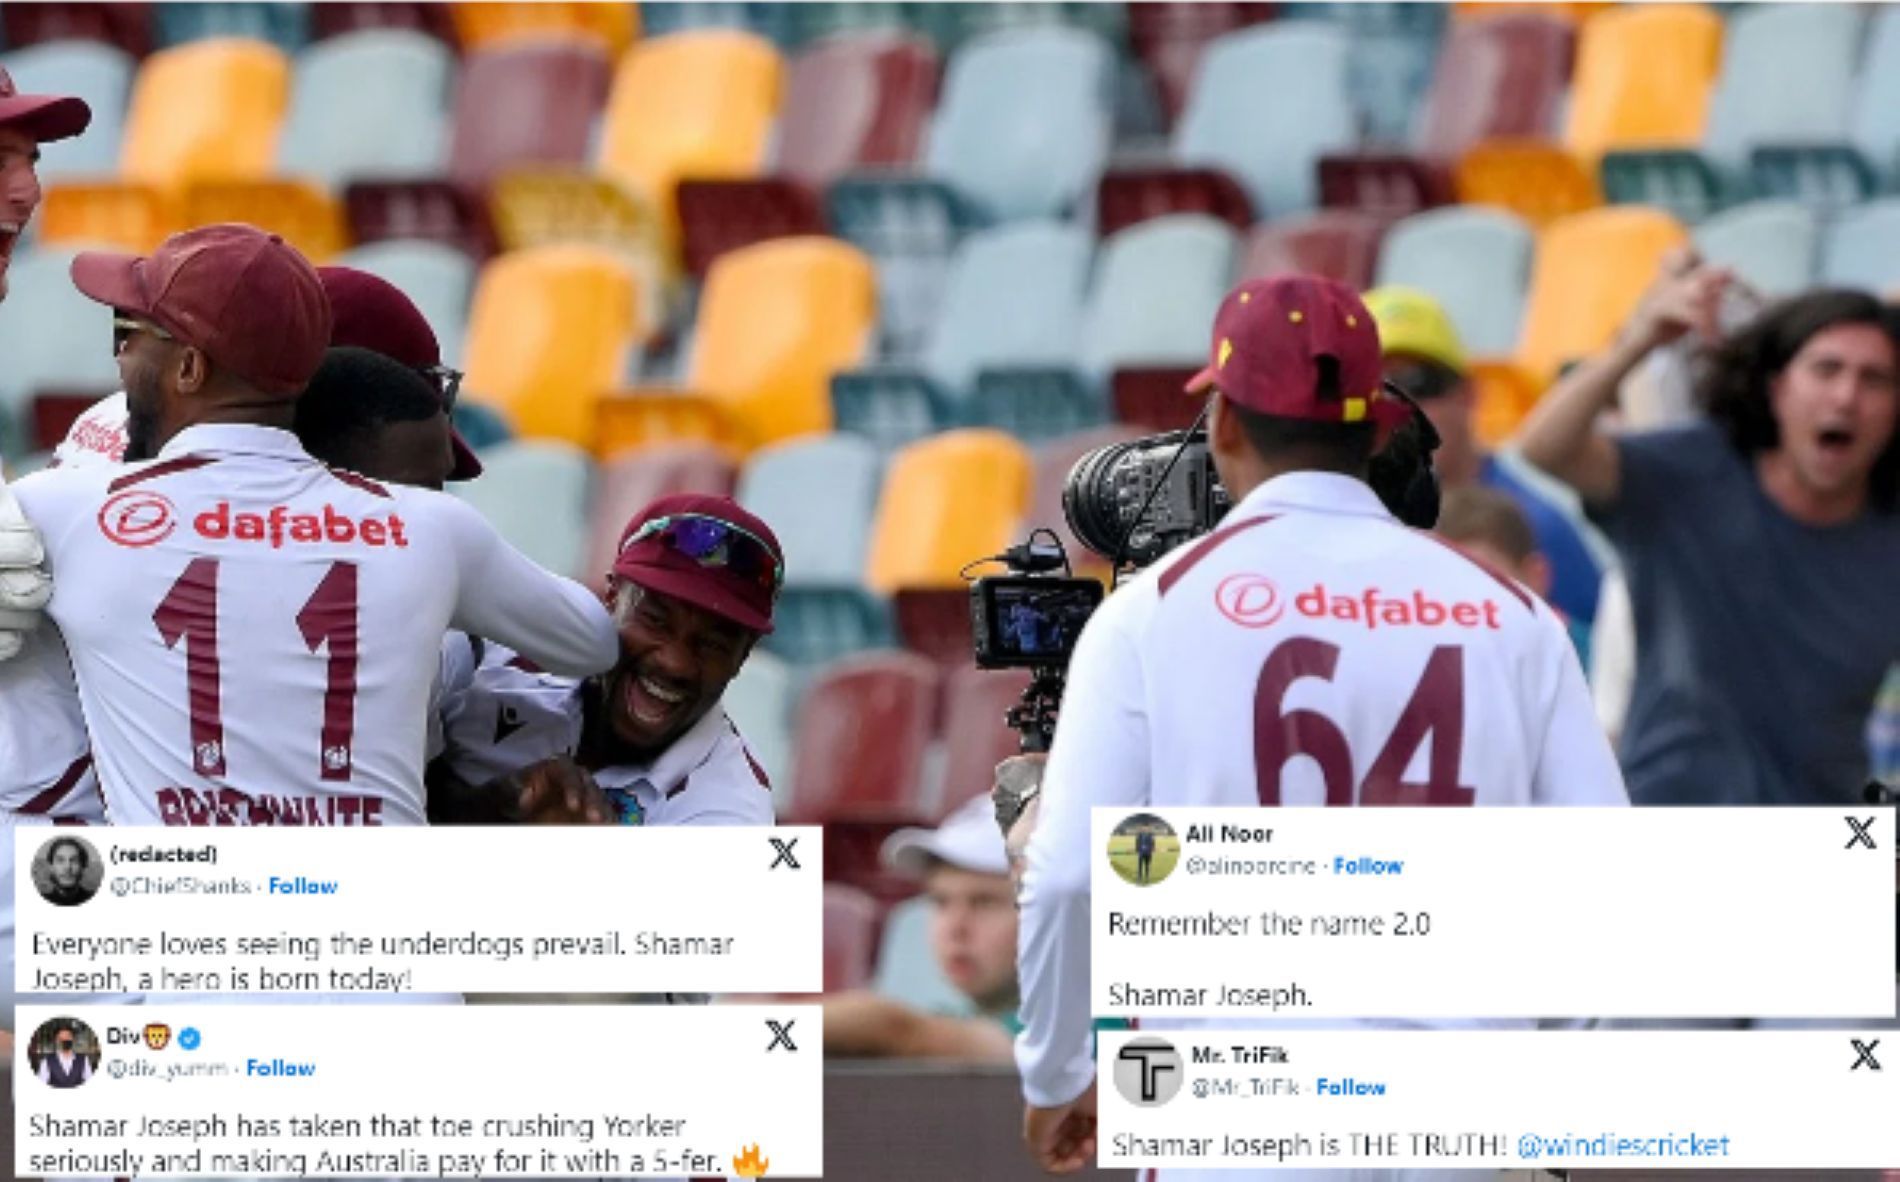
[(1312, 650)]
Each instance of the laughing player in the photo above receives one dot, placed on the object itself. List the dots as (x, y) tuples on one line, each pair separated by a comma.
[(256, 574), (1311, 651)]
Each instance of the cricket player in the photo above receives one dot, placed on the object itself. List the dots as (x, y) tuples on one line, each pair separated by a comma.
[(255, 635), (1310, 651)]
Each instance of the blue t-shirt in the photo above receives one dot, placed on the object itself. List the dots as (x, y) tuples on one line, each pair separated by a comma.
[(1575, 577), (1761, 642)]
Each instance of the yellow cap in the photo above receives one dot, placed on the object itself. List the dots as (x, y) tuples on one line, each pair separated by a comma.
[(1413, 324)]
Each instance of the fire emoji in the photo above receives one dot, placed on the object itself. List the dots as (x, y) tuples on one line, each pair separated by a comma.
[(749, 1164)]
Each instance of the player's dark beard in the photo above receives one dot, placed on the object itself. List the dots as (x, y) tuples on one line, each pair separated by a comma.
[(142, 399)]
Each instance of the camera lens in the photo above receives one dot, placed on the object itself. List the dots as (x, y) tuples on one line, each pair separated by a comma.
[(1091, 499)]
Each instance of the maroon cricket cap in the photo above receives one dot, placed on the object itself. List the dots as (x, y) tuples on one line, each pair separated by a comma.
[(372, 313), (45, 117), (655, 563), (245, 297), (1268, 337)]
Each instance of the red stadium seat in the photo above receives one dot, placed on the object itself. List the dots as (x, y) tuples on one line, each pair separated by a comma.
[(1341, 244), (856, 101), (334, 20), (862, 731), (1169, 38), (526, 102), (428, 211), (1154, 399), (1127, 196), (55, 411), (632, 479), (717, 216), (975, 736), (1500, 78), (853, 920), (1389, 186), (127, 26), (935, 622)]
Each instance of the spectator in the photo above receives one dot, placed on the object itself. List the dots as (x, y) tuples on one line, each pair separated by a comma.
[(1488, 525), (965, 875), (1761, 542), (1425, 358)]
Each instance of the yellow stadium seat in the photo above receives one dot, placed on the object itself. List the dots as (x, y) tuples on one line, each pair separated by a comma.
[(1643, 78), (1591, 270), (110, 215), (1537, 181), (1575, 13), (632, 419), (776, 321), (206, 110), (698, 104), (550, 331), (947, 499), (1505, 395), (304, 214), (544, 206), (614, 25)]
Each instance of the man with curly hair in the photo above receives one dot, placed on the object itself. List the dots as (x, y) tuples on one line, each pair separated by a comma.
[(1761, 542)]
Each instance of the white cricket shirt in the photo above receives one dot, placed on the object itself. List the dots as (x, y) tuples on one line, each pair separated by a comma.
[(1310, 651)]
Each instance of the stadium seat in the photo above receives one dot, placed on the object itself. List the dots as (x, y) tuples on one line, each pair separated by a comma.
[(1684, 182), (1501, 78), (910, 226), (1773, 245), (1130, 195), (638, 417), (432, 211), (107, 214), (57, 339), (1481, 11), (439, 279), (1341, 244), (1386, 185), (1154, 398), (355, 16), (1395, 46), (1826, 177), (1155, 290), (1787, 78), (975, 736), (535, 493), (690, 104), (1036, 403), (863, 727), (526, 102), (1643, 79), (541, 206), (855, 101), (907, 969), (1238, 117), (1505, 394), (1539, 182), (851, 935), (209, 110), (631, 480), (891, 406), (287, 26), (482, 25), (759, 702), (805, 24), (1009, 167), (1170, 38), (394, 80), (482, 426), (1591, 269), (305, 214), (946, 501), (815, 627), (1874, 128), (550, 331), (1862, 248), (1014, 298), (99, 73), (717, 216), (819, 494), (776, 321), (128, 27), (1475, 260), (934, 622)]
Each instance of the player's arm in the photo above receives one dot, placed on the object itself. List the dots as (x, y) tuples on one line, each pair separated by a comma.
[(503, 596), (554, 791), (1100, 757), (1561, 434), (1575, 764), (864, 1025)]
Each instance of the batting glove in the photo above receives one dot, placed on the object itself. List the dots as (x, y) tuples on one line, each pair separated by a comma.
[(24, 584)]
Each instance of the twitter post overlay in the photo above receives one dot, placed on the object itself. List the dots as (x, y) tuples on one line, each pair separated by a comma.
[(419, 1091), (1462, 913), (569, 909), (1499, 1099)]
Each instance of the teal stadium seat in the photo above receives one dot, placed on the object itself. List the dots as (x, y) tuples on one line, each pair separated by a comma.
[(437, 277), (1394, 48), (53, 339), (1787, 79), (1875, 126), (910, 227), (1475, 259), (1238, 116), (1862, 248), (394, 80), (1773, 245), (536, 493), (99, 73), (1156, 288), (285, 25)]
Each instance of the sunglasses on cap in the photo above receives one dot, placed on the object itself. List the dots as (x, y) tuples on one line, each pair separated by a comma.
[(125, 327), (712, 542), (447, 382)]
